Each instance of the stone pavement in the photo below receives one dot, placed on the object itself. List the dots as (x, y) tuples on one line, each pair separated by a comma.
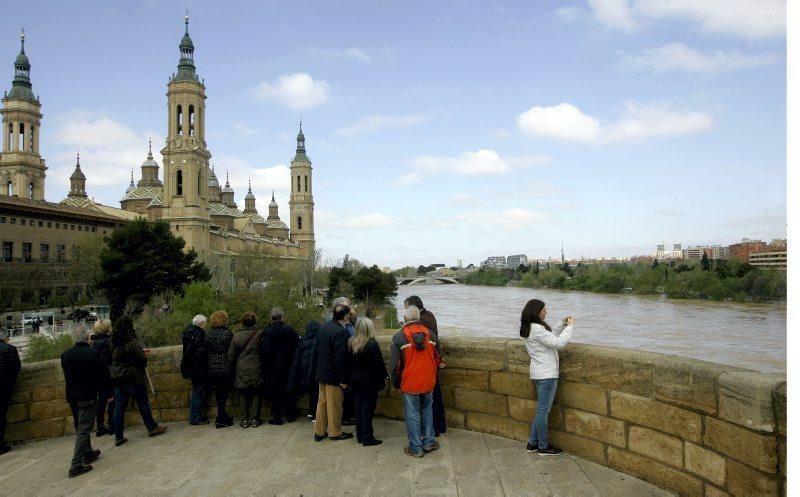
[(284, 460)]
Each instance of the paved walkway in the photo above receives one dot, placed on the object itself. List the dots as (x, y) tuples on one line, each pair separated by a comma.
[(284, 460)]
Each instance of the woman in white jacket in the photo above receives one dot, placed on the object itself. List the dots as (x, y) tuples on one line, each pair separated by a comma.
[(543, 344)]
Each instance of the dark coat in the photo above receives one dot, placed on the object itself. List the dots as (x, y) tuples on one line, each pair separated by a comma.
[(333, 358), (278, 344), (194, 363), (245, 355), (368, 371), (102, 344), (84, 372), (9, 366), (127, 363), (302, 376), (218, 341)]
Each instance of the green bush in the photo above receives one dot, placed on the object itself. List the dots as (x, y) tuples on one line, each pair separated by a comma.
[(390, 321), (44, 347), (488, 277)]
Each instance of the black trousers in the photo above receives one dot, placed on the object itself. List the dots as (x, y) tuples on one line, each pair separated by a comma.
[(83, 414), (349, 404), (5, 400), (106, 392), (222, 388), (313, 398), (439, 422), (366, 398), (283, 404)]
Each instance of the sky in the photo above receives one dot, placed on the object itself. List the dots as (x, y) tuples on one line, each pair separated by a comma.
[(440, 131)]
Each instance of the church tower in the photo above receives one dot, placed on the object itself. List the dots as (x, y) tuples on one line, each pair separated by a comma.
[(22, 169), (77, 181), (186, 158), (250, 200), (301, 202)]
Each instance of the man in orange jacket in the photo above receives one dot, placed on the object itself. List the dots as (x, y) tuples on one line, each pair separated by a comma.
[(413, 366)]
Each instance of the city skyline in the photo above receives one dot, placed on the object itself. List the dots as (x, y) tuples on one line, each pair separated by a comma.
[(519, 125)]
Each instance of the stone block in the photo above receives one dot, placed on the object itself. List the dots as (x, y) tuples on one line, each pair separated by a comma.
[(746, 399), (170, 381), (743, 480), (519, 361), (448, 396), (579, 446), (779, 400), (656, 445), (496, 425), (464, 378), (619, 369), (394, 393), (705, 463), (48, 393), (49, 409), (485, 402), (753, 449), (46, 428), (39, 374), (20, 396), (782, 457), (170, 399), (485, 354), (516, 384), (653, 414), (390, 408), (688, 382), (712, 491), (132, 417), (455, 419), (521, 409), (169, 415), (158, 363), (654, 472), (590, 398), (594, 426), (17, 413)]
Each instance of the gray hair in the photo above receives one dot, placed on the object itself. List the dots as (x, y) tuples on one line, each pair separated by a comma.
[(276, 314), (340, 301), (411, 313), (79, 333), (199, 320), (3, 334)]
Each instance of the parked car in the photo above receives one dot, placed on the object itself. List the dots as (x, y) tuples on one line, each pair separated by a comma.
[(92, 316), (31, 320), (78, 315)]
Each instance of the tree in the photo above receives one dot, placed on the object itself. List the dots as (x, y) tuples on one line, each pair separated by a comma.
[(655, 264), (339, 282), (373, 287), (254, 264), (142, 259), (705, 263)]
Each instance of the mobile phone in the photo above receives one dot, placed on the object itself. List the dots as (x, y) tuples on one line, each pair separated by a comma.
[(93, 337)]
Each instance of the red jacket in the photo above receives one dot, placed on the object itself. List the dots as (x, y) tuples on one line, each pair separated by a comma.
[(414, 364)]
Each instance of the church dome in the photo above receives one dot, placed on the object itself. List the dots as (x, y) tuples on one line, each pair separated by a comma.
[(212, 179)]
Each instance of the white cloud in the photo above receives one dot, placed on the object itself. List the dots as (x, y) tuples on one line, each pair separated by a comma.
[(297, 91), (408, 179), (377, 122), (638, 122), (463, 199), (746, 18), (509, 218), (263, 180), (679, 57), (352, 53), (483, 162)]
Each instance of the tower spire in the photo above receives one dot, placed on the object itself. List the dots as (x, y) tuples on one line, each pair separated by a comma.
[(186, 69), (301, 144), (77, 180), (21, 85)]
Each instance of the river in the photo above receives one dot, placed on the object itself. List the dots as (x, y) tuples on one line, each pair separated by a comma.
[(747, 335)]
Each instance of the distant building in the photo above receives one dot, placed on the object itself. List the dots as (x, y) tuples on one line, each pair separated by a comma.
[(661, 254), (642, 259), (435, 266), (676, 246), (459, 263), (495, 262), (769, 258), (660, 247), (696, 253), (515, 261), (741, 251), (720, 252)]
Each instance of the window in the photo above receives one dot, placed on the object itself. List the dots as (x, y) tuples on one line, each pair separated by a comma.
[(305, 178), (30, 190), (95, 229), (299, 223), (41, 224), (2, 220), (30, 142), (298, 184), (10, 189), (80, 228), (8, 250), (10, 135), (21, 137), (22, 222), (191, 120), (64, 226), (58, 225), (199, 176), (27, 248), (49, 224), (61, 251), (44, 252), (180, 121), (13, 220), (71, 227), (179, 182)]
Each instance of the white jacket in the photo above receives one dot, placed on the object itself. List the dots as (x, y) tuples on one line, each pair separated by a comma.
[(543, 347)]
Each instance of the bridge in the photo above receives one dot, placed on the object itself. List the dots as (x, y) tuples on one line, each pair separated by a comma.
[(429, 280)]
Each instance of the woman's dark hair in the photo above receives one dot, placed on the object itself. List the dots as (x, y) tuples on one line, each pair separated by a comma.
[(531, 314), (415, 301), (123, 331), (248, 319)]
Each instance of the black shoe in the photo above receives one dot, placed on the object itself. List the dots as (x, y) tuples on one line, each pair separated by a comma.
[(158, 430), (275, 422), (255, 423), (532, 448), (201, 422), (320, 438), (102, 430), (348, 422), (120, 441), (73, 472), (91, 456), (550, 451), (374, 441), (343, 436), (223, 423), (244, 423), (290, 419), (4, 449)]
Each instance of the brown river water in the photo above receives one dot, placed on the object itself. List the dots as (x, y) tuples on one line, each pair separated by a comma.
[(747, 335)]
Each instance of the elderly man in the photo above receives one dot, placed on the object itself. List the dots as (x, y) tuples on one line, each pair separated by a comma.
[(278, 343), (349, 401), (9, 369), (333, 363), (83, 374), (413, 366), (194, 366)]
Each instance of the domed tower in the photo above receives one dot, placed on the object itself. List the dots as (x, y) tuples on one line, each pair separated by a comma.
[(250, 200), (22, 169), (186, 158), (132, 185), (149, 169), (276, 227), (213, 187), (77, 181), (301, 203), (228, 193)]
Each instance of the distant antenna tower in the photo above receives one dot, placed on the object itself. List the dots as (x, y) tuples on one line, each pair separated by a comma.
[(562, 253)]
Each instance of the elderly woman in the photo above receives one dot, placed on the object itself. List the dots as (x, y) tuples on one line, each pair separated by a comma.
[(101, 342), (128, 374), (194, 366), (220, 375), (245, 355)]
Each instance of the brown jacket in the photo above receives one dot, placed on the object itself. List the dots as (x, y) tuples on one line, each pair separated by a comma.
[(245, 355)]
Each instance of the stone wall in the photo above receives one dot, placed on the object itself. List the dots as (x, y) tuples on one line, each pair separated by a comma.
[(693, 427)]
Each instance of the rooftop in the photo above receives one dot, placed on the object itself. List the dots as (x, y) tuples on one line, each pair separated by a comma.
[(269, 460)]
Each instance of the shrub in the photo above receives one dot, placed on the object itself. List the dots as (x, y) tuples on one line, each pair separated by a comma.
[(44, 347), (390, 321)]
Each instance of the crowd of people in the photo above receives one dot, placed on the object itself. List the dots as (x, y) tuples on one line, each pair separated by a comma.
[(338, 363)]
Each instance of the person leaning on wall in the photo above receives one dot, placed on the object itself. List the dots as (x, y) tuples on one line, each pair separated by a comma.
[(245, 355), (101, 342), (9, 369), (220, 370), (194, 366)]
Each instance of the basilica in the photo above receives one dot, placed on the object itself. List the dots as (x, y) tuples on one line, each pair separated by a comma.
[(187, 194)]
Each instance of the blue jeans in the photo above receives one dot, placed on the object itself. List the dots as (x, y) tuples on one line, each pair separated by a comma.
[(139, 394), (545, 394), (196, 402), (418, 411)]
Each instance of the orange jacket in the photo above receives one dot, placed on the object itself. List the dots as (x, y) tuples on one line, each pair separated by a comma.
[(414, 364)]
